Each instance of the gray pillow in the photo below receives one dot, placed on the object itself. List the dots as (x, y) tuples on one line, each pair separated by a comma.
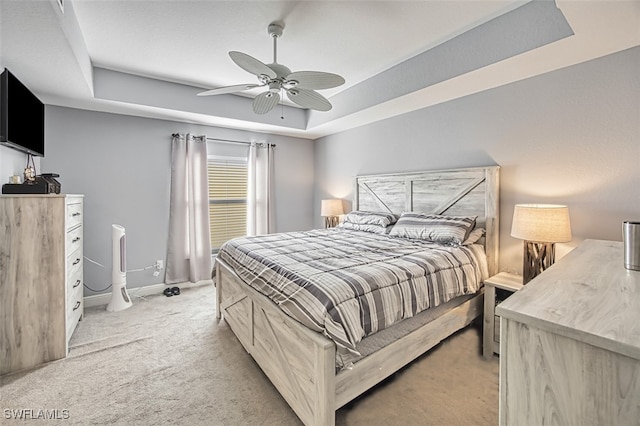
[(451, 230)]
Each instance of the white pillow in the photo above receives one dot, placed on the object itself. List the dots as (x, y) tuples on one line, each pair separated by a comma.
[(365, 227), (371, 218)]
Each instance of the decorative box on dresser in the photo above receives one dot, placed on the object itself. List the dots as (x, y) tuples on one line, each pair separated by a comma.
[(570, 346), (41, 277)]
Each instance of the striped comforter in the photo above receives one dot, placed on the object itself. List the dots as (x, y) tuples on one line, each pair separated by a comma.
[(350, 284)]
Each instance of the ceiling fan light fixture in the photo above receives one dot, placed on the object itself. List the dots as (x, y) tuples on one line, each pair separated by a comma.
[(275, 86)]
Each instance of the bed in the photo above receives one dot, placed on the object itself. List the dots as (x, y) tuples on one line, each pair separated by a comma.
[(318, 370)]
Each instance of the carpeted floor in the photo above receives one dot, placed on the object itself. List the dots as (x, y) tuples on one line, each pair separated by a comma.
[(167, 360)]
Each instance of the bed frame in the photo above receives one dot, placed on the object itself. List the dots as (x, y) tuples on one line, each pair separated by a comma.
[(301, 363)]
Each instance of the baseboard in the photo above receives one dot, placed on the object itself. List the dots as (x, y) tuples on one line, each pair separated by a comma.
[(147, 290)]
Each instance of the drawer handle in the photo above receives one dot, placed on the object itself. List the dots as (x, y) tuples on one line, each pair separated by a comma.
[(76, 284), (75, 214), (76, 261), (77, 306), (75, 240)]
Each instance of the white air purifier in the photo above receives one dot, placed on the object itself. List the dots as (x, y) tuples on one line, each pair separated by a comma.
[(119, 297)]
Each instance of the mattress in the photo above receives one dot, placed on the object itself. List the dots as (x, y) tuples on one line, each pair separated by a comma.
[(351, 284)]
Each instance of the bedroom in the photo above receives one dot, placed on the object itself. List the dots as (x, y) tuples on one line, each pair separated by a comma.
[(568, 135)]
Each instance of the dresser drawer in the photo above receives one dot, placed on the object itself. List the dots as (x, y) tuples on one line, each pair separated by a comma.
[(74, 262), (75, 307), (73, 239), (74, 280), (74, 214)]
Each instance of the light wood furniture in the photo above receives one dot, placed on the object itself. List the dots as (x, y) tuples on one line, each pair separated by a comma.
[(301, 363), (570, 348), (41, 277), (495, 288)]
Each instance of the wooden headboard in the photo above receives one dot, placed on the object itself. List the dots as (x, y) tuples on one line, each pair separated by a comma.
[(455, 192)]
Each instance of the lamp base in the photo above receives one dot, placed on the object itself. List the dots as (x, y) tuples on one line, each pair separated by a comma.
[(537, 258), (331, 221)]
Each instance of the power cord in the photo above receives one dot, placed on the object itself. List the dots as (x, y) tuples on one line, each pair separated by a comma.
[(97, 291), (102, 266), (94, 262), (142, 269), (109, 286)]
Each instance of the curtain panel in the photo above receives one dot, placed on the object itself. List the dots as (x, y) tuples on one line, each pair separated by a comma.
[(260, 190), (189, 249)]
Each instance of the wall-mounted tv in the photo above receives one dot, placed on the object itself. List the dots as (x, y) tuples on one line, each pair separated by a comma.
[(21, 116)]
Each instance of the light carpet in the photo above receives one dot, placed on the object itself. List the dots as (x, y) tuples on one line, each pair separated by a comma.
[(167, 360)]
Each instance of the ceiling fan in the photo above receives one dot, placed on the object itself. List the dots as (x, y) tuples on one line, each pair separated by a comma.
[(300, 86)]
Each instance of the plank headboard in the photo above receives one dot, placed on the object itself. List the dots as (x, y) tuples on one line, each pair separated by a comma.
[(456, 192)]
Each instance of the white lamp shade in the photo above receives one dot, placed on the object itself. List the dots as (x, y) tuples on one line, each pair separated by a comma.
[(331, 207), (545, 223)]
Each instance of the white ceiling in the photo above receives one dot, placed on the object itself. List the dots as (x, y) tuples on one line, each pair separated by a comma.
[(188, 41), (393, 54)]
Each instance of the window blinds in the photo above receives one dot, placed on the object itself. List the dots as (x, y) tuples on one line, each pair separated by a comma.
[(227, 199)]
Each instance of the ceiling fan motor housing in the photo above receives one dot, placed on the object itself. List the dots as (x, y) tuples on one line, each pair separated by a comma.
[(275, 29), (280, 70)]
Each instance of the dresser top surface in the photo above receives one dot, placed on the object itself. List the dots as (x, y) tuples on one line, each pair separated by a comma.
[(588, 295), (40, 195)]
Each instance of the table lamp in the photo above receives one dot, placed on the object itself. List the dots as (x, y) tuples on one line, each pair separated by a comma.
[(540, 226), (330, 210)]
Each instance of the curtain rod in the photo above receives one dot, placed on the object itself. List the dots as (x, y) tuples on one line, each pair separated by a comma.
[(260, 144), (241, 142)]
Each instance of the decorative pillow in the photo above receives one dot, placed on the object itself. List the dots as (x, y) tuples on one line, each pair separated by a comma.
[(474, 236), (376, 229), (451, 230), (371, 218)]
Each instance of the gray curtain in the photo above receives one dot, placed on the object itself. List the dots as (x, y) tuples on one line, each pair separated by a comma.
[(260, 197), (189, 251)]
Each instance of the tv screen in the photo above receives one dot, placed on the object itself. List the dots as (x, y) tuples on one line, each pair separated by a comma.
[(21, 116)]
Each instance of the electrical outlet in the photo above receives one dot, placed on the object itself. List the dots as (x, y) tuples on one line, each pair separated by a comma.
[(159, 264)]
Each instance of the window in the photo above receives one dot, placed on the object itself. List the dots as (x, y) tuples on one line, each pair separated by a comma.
[(227, 199)]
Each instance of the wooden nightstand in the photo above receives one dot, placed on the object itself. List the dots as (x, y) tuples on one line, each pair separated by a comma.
[(496, 289)]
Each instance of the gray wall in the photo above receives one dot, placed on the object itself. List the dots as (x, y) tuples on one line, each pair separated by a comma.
[(122, 165), (13, 162), (571, 137)]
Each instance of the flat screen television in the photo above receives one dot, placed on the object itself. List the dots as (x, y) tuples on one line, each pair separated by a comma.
[(21, 116)]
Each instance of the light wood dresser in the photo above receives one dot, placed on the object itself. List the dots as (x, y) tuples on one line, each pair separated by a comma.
[(570, 347), (41, 277)]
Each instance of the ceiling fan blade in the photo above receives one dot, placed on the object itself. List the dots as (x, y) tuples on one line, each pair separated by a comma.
[(251, 64), (315, 80), (229, 89), (309, 99), (265, 102)]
